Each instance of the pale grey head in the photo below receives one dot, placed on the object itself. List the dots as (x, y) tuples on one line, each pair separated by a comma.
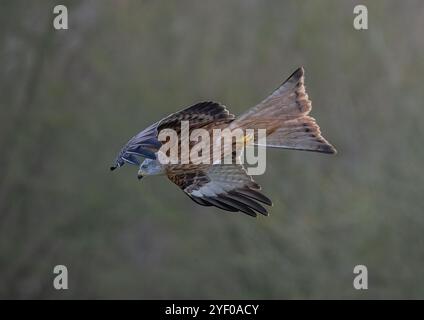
[(150, 167)]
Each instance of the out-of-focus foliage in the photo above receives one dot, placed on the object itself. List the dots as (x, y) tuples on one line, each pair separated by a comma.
[(70, 99)]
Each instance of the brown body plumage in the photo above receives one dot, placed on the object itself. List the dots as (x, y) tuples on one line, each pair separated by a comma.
[(284, 115)]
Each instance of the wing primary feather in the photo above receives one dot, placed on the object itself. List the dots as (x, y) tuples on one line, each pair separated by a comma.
[(142, 152), (215, 202), (200, 201), (131, 159), (255, 195), (151, 142), (248, 202), (237, 204)]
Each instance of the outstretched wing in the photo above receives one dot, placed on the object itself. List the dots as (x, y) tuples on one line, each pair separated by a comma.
[(143, 144), (146, 143), (199, 115), (226, 186)]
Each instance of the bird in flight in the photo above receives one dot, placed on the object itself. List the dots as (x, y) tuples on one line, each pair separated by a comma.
[(284, 115)]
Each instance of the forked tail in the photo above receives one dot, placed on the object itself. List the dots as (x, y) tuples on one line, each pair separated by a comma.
[(284, 114)]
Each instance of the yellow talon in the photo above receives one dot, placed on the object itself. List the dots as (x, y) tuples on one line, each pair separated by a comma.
[(247, 139)]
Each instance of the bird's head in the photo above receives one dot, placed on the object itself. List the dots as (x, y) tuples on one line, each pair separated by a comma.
[(150, 167)]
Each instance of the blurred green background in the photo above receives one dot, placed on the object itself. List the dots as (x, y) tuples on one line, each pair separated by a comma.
[(70, 99)]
